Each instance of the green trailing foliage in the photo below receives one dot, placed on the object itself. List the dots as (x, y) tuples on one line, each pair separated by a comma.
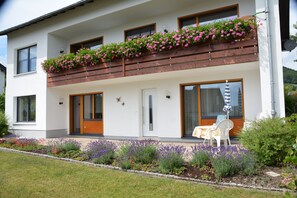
[(2, 102), (220, 31), (3, 124), (269, 138)]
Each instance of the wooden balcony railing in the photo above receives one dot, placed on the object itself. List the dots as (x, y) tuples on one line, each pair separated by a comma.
[(206, 55)]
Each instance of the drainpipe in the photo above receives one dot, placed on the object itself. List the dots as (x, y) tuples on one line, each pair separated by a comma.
[(273, 112)]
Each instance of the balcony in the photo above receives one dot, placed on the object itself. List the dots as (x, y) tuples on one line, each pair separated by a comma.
[(206, 55)]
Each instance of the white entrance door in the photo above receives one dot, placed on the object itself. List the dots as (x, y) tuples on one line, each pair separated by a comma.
[(149, 112)]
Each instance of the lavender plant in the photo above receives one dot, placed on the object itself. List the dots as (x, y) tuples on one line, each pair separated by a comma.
[(228, 161), (101, 151), (64, 145), (171, 159), (143, 151), (200, 155)]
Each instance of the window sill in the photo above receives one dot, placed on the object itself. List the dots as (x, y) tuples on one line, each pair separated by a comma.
[(24, 123), (24, 74)]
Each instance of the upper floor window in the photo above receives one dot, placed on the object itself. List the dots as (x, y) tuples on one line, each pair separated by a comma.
[(89, 44), (26, 109), (229, 12), (26, 60), (140, 31)]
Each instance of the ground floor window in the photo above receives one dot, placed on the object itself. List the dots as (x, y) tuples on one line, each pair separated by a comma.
[(202, 102), (26, 109)]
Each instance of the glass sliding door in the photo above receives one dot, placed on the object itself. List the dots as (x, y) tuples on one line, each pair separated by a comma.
[(202, 103), (190, 108)]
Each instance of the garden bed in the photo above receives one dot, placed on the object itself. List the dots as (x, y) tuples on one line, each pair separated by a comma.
[(124, 159)]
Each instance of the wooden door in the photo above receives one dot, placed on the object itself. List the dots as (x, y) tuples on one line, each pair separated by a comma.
[(90, 114)]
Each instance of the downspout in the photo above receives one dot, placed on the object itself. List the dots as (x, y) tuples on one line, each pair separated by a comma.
[(273, 112)]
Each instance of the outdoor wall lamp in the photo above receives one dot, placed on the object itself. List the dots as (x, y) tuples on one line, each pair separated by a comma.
[(168, 95), (61, 51), (61, 101)]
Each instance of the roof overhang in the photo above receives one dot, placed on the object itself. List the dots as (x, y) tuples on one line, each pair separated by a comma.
[(46, 16)]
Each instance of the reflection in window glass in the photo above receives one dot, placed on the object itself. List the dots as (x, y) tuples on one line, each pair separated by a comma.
[(139, 32), (26, 60), (98, 106), (88, 107), (26, 109), (212, 99), (190, 109)]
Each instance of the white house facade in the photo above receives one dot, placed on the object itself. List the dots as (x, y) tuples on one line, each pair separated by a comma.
[(150, 102)]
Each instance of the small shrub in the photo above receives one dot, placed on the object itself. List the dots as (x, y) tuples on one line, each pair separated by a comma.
[(291, 157), (225, 164), (2, 102), (200, 155), (101, 151), (64, 145), (171, 159), (269, 139), (143, 151), (122, 156), (24, 142), (250, 165), (289, 178), (3, 124), (126, 164)]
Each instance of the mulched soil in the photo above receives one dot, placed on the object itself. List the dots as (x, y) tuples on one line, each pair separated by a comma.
[(262, 179)]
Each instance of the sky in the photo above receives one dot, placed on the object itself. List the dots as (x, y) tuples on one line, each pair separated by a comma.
[(25, 12)]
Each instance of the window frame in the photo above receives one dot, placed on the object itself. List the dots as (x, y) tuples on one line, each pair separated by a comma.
[(199, 14), (28, 57), (29, 111), (182, 102), (139, 27), (82, 43)]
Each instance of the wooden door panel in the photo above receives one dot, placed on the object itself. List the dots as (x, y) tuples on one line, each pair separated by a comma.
[(93, 127), (238, 124)]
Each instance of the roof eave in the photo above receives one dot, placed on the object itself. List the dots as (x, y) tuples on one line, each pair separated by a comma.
[(46, 16)]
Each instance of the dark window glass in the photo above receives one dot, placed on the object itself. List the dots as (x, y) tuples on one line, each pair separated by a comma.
[(188, 22), (91, 44), (26, 109), (26, 60), (229, 13), (139, 32), (212, 99), (217, 16), (93, 106), (98, 106), (190, 109), (88, 107)]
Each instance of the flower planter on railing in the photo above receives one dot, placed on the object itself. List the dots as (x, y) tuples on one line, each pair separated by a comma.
[(190, 53)]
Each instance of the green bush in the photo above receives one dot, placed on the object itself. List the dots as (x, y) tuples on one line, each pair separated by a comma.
[(122, 156), (269, 139), (250, 165), (145, 155), (200, 158), (3, 124), (172, 163), (224, 166), (2, 102)]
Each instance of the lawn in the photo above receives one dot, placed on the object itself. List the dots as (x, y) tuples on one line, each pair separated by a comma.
[(30, 176)]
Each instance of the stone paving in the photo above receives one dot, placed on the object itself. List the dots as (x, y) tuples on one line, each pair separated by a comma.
[(186, 142)]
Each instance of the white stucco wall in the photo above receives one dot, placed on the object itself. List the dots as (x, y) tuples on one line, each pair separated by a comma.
[(126, 120), (110, 19)]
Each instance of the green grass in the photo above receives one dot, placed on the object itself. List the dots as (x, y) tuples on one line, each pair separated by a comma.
[(29, 176)]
